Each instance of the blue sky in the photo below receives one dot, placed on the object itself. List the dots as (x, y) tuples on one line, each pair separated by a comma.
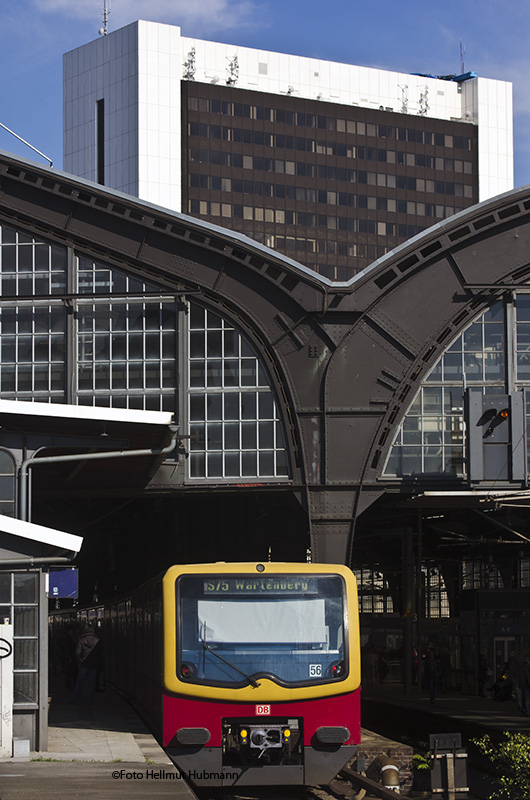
[(412, 36)]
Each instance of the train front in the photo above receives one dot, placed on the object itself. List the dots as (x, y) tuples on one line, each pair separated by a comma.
[(261, 672)]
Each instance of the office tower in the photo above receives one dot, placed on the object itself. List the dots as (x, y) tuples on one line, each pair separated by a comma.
[(331, 164)]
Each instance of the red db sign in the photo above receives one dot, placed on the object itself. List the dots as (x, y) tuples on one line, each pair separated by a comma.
[(263, 711)]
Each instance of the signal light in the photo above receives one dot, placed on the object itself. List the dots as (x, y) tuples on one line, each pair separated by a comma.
[(337, 669), (505, 413), (187, 671)]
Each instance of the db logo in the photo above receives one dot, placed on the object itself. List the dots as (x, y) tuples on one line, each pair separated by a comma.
[(263, 711)]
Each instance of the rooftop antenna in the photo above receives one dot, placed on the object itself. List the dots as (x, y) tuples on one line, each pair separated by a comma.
[(404, 98), (424, 101), (233, 71), (462, 54), (190, 67), (106, 11)]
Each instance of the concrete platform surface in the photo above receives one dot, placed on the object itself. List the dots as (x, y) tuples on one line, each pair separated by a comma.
[(102, 750), (482, 712), (106, 730), (104, 781)]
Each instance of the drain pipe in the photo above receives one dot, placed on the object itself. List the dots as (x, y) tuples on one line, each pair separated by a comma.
[(33, 462)]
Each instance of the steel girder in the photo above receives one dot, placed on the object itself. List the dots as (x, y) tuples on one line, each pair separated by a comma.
[(346, 359)]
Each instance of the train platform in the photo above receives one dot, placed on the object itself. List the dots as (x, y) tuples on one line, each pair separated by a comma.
[(464, 711), (413, 719), (103, 750)]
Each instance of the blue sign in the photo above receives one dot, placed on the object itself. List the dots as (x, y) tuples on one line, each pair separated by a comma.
[(64, 583)]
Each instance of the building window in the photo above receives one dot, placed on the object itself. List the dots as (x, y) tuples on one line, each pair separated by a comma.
[(524, 573), (18, 605), (435, 593), (431, 437), (374, 592), (32, 334), (480, 573), (235, 426), (126, 347), (7, 484), (33, 341), (111, 339)]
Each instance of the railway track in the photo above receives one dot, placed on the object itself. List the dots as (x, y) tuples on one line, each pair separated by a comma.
[(348, 785)]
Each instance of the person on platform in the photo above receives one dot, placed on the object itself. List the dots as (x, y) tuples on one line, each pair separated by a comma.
[(432, 671), (89, 655)]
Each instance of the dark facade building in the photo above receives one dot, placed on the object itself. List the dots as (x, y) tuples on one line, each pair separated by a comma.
[(333, 187), (330, 164)]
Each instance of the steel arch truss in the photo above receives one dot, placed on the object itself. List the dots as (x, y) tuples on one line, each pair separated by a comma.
[(346, 359)]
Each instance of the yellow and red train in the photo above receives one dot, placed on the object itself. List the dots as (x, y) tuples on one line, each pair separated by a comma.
[(249, 672)]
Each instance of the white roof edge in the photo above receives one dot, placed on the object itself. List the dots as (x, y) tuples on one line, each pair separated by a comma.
[(86, 412), (38, 533)]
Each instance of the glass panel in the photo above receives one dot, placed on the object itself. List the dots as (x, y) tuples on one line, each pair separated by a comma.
[(432, 400), (197, 465), (215, 465), (452, 367), (453, 432), (477, 355), (25, 621), (212, 336), (522, 305), (494, 337), (7, 488), (197, 344), (432, 430), (5, 587), (266, 463), (411, 460), (250, 464), (453, 400), (433, 459), (232, 465), (25, 654), (473, 366), (495, 313), (523, 367), (412, 430), (25, 587), (493, 366), (473, 337), (454, 460), (214, 440), (25, 687), (7, 463), (523, 335), (214, 406), (292, 628), (197, 374)]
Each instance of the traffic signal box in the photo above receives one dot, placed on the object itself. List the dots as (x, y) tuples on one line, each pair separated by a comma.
[(496, 437)]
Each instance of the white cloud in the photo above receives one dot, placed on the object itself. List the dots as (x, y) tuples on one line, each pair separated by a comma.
[(194, 17)]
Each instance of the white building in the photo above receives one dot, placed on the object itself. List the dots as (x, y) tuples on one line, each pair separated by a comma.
[(125, 126)]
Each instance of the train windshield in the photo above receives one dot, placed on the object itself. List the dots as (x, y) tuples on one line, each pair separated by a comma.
[(235, 629)]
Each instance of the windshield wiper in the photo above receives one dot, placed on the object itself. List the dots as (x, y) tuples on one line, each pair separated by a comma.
[(253, 682)]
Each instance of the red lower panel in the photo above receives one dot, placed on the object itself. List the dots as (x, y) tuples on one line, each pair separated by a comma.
[(339, 710)]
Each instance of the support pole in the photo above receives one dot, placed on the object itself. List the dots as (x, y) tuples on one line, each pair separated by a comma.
[(408, 604)]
